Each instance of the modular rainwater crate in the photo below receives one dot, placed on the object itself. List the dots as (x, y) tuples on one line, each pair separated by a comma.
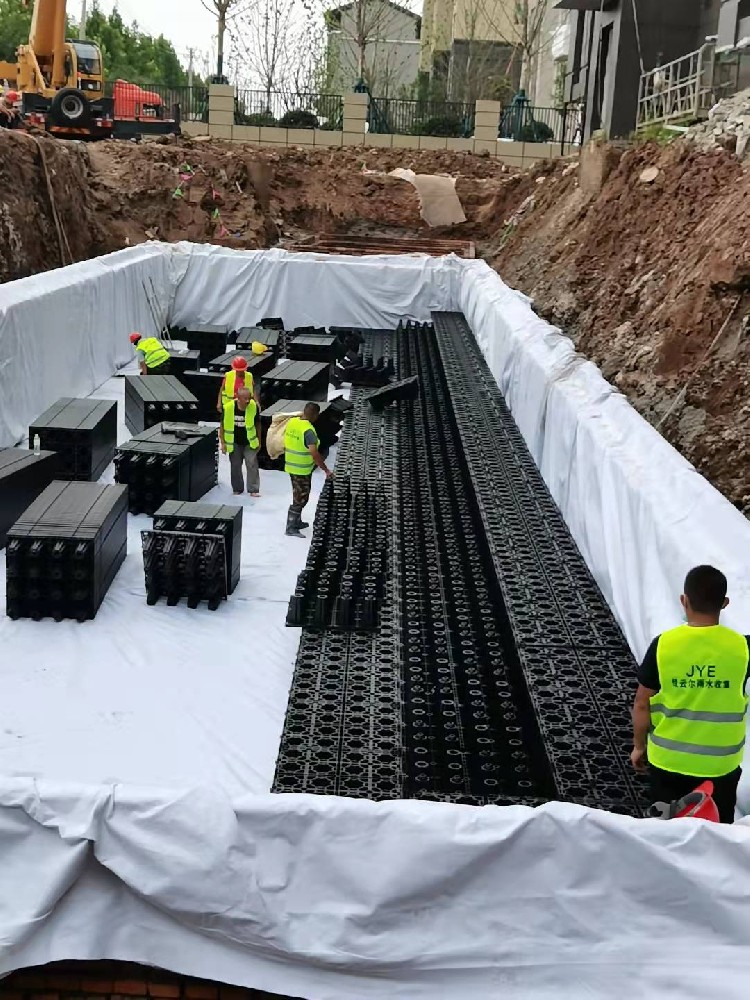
[(64, 551), (207, 519), (168, 462), (257, 364), (152, 399), (327, 426), (183, 564), (23, 476), (183, 361), (246, 336), (205, 387), (306, 380), (210, 341), (317, 346), (83, 432)]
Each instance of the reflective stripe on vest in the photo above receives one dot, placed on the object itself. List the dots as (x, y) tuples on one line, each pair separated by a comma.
[(698, 715), (297, 458), (229, 387), (155, 353), (229, 425)]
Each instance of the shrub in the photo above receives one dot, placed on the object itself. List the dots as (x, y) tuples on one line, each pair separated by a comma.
[(535, 132), (259, 118), (443, 125), (299, 119)]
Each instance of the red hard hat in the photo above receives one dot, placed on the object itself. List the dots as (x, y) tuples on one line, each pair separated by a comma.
[(12, 96), (134, 338), (239, 364)]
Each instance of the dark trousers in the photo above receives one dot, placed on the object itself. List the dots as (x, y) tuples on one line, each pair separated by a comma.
[(301, 486), (165, 368), (669, 787)]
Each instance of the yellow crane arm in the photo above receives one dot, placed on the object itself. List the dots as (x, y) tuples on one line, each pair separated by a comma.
[(47, 40)]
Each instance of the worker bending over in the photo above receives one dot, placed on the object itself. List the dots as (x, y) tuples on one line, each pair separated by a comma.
[(237, 377), (689, 710), (239, 433), (301, 455), (153, 357), (9, 116)]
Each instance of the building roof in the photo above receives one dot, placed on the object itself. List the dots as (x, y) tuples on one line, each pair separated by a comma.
[(397, 6)]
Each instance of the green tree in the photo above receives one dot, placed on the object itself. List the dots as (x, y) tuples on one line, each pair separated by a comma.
[(131, 55)]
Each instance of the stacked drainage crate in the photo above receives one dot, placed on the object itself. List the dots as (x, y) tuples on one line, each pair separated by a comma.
[(83, 433), (193, 552), (152, 399), (23, 476), (306, 380), (327, 426), (167, 462), (64, 551)]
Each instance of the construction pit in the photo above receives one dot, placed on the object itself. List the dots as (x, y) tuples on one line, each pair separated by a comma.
[(315, 814)]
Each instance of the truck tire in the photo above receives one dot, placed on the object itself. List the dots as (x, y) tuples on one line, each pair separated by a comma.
[(70, 107)]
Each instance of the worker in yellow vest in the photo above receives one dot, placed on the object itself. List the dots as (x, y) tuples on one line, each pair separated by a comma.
[(239, 433), (689, 710), (238, 376), (301, 455), (153, 357)]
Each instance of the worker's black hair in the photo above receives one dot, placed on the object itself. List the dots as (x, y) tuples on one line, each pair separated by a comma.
[(311, 411), (706, 590)]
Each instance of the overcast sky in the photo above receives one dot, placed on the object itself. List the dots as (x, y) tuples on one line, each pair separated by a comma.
[(185, 23)]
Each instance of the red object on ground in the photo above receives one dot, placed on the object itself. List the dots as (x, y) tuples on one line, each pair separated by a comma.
[(698, 804), (131, 101)]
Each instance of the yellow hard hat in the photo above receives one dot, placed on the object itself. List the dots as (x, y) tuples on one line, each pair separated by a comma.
[(258, 348)]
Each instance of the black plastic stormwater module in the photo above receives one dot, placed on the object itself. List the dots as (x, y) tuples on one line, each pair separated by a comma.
[(509, 675), (83, 432), (64, 551), (150, 399), (179, 564), (207, 519), (23, 476), (577, 665)]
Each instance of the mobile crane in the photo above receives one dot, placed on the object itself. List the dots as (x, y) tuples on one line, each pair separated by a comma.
[(61, 84)]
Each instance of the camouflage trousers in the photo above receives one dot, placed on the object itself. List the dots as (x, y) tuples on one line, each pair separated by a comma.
[(300, 491)]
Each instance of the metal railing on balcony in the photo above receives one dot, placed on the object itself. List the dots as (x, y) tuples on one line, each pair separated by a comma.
[(289, 109), (454, 119), (679, 92)]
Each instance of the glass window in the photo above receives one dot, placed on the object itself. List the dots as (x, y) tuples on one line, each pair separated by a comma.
[(89, 59)]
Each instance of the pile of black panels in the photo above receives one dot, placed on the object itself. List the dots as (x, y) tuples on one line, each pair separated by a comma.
[(209, 341), (246, 336), (444, 699), (183, 361), (205, 388), (186, 565), (343, 582), (257, 364), (168, 462), (152, 399), (314, 346), (23, 476), (83, 432), (207, 519), (64, 551), (306, 380)]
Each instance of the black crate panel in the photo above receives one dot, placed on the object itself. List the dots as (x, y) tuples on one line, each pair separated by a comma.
[(306, 380), (209, 341), (257, 364), (64, 551), (205, 387), (152, 399), (83, 432), (207, 519), (184, 361), (495, 672), (23, 476), (181, 565), (168, 462)]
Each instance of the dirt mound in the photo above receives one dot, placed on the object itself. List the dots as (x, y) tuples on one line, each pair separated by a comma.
[(47, 213), (650, 277)]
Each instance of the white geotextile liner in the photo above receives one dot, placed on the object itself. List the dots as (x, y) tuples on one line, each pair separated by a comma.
[(131, 747)]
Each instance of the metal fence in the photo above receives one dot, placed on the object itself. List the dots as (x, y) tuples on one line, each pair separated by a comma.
[(680, 91), (289, 109), (454, 119), (525, 123)]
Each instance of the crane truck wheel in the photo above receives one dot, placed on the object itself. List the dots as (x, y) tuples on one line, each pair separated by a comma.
[(70, 107)]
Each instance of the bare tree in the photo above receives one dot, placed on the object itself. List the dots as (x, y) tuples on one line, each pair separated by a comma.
[(266, 36), (529, 20), (225, 11), (373, 42)]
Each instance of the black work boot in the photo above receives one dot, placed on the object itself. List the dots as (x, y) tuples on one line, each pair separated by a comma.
[(293, 523)]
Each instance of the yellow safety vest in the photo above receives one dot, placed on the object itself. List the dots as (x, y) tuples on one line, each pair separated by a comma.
[(232, 420), (155, 353), (698, 715), (229, 387), (297, 458)]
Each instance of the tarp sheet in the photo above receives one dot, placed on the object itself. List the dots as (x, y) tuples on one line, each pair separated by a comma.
[(136, 751)]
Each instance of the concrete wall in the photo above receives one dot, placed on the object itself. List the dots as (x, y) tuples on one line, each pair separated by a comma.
[(516, 154)]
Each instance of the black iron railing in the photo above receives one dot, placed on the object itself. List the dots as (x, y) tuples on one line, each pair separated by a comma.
[(289, 109), (454, 119)]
